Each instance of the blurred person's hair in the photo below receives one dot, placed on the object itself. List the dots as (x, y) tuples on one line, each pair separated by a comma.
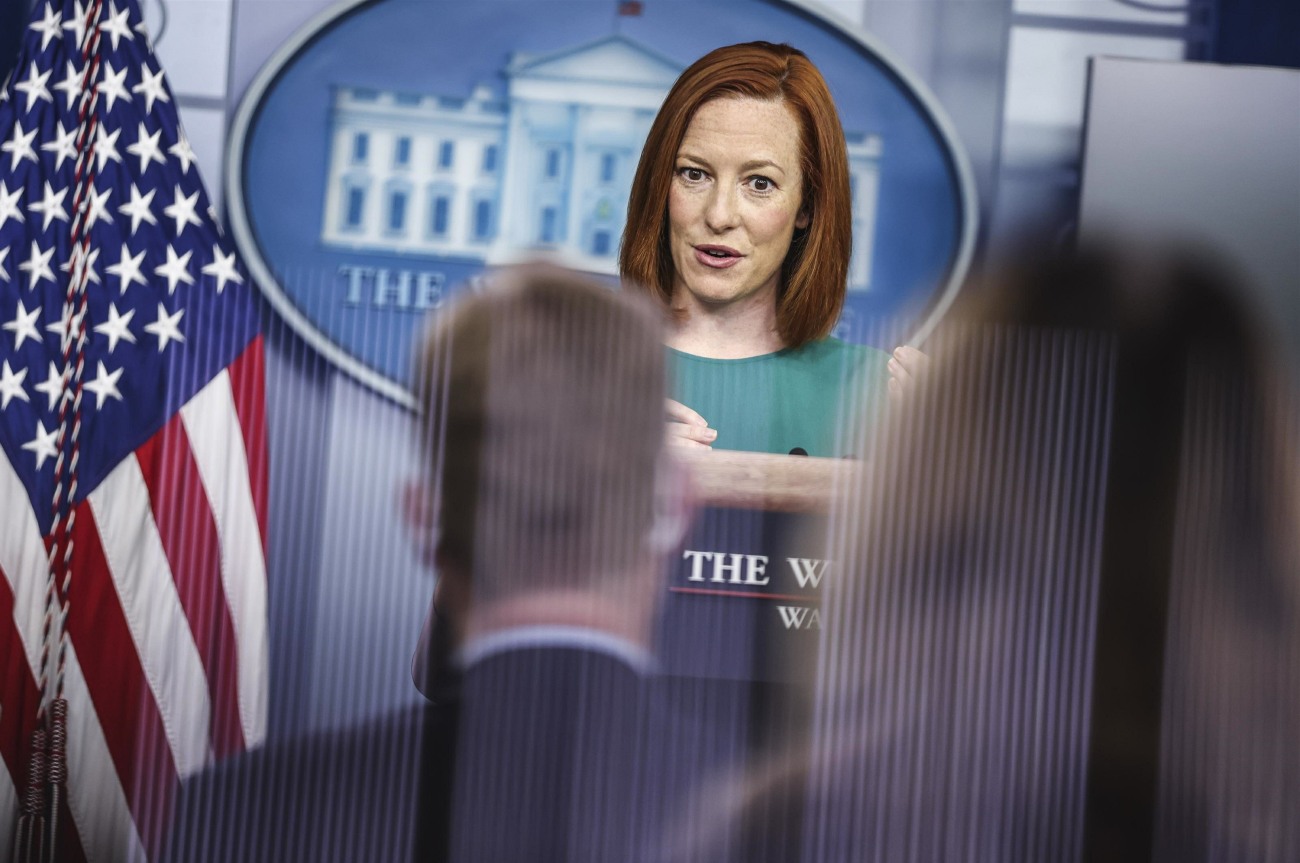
[(542, 399), (1172, 326), (814, 276)]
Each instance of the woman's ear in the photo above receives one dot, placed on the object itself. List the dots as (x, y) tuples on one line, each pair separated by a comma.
[(803, 219), (674, 505), (420, 515)]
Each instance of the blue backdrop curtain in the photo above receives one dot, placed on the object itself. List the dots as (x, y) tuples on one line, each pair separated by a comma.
[(1258, 32), (13, 17)]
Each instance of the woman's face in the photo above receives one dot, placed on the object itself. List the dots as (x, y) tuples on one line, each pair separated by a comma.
[(735, 201)]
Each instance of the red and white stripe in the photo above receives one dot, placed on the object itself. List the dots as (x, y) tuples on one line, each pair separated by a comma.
[(212, 421), (151, 608), (167, 618)]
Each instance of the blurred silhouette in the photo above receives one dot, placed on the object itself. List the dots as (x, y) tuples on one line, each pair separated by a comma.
[(548, 401), (1068, 618), (546, 503)]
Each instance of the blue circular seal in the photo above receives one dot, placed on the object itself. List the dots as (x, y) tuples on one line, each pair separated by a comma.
[(392, 151)]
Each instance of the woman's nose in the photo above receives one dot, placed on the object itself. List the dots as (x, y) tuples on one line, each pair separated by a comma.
[(720, 214)]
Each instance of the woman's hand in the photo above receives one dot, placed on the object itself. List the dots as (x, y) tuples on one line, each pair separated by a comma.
[(687, 428), (906, 366)]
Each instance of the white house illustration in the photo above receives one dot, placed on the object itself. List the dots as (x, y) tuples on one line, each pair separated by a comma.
[(482, 178)]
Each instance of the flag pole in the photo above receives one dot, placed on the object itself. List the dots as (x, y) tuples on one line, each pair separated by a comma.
[(30, 835), (53, 712)]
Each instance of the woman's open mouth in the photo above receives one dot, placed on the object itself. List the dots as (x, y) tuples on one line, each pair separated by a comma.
[(718, 257)]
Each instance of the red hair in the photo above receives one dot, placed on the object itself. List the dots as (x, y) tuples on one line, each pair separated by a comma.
[(815, 272)]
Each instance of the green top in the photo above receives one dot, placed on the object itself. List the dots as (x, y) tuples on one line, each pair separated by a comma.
[(804, 397)]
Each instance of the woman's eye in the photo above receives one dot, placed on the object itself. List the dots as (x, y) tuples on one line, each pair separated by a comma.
[(691, 175), (761, 184)]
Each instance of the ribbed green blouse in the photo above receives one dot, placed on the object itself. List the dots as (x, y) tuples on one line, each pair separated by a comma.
[(813, 397)]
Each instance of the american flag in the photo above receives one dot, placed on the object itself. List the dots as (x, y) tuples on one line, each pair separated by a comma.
[(133, 476)]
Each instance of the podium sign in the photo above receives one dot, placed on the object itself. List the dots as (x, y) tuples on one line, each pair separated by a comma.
[(744, 595)]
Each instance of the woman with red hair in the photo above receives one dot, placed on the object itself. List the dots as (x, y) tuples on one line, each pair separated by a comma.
[(740, 222)]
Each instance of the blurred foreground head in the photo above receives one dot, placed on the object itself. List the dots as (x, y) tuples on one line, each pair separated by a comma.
[(1076, 577), (1067, 623), (542, 401)]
